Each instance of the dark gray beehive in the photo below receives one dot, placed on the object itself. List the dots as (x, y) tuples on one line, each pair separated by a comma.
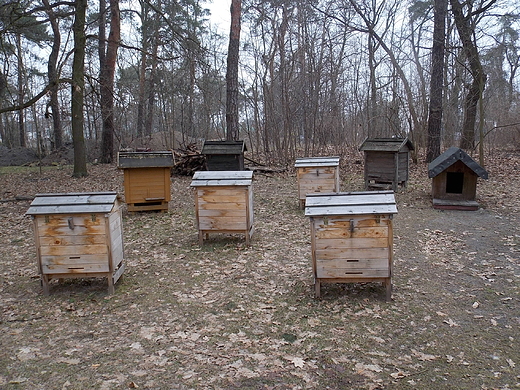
[(224, 155), (386, 162)]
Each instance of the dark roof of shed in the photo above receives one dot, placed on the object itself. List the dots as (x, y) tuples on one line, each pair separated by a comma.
[(386, 144), (450, 157), (158, 159), (224, 147)]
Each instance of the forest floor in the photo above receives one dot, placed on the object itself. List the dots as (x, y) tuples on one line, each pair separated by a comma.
[(228, 316)]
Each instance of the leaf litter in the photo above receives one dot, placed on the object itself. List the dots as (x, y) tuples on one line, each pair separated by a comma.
[(228, 316)]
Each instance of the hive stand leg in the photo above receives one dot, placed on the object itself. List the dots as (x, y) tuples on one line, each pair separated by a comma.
[(317, 288), (302, 204), (111, 288), (388, 285), (247, 237), (201, 237), (45, 284)]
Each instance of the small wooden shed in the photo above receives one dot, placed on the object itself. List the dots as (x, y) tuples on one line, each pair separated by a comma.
[(224, 202), (224, 155), (146, 179), (78, 235), (454, 184), (352, 237), (316, 174), (387, 162)]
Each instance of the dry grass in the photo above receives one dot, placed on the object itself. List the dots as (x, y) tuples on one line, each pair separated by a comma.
[(227, 316)]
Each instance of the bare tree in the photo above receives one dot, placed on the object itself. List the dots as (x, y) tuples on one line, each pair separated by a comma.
[(436, 80), (108, 67), (78, 87), (232, 124), (52, 74), (466, 24)]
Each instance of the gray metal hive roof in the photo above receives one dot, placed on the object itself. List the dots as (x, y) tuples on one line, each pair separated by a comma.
[(450, 157), (350, 203), (317, 162), (222, 178), (73, 203), (386, 145)]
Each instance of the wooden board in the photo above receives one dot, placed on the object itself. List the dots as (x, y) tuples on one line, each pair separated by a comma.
[(224, 207), (149, 187), (81, 244), (351, 247)]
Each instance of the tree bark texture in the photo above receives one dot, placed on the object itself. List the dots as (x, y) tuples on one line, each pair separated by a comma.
[(475, 90), (108, 70), (52, 74), (437, 80), (21, 91), (78, 87), (232, 132)]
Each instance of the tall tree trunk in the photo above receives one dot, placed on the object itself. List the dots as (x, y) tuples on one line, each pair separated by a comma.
[(232, 132), (374, 127), (107, 84), (466, 33), (52, 74), (152, 78), (437, 80), (21, 88), (78, 86)]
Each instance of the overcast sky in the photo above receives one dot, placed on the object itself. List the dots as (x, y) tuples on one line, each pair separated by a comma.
[(220, 15)]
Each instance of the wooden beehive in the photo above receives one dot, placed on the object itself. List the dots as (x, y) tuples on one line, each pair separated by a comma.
[(78, 235), (146, 179), (454, 177), (352, 237), (224, 202), (224, 155), (386, 162), (316, 174)]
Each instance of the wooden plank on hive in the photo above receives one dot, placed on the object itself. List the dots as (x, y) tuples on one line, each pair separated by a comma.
[(326, 272), (222, 223), (71, 250), (354, 254), (234, 213), (63, 263), (90, 239), (352, 243), (377, 232)]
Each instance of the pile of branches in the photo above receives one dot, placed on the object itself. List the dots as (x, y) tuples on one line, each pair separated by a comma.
[(188, 160)]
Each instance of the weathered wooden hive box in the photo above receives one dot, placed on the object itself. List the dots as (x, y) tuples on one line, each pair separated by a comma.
[(146, 179), (387, 162), (352, 237), (224, 202), (78, 235), (454, 177), (316, 174), (224, 155)]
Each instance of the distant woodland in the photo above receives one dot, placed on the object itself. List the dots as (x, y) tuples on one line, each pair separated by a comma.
[(291, 77)]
